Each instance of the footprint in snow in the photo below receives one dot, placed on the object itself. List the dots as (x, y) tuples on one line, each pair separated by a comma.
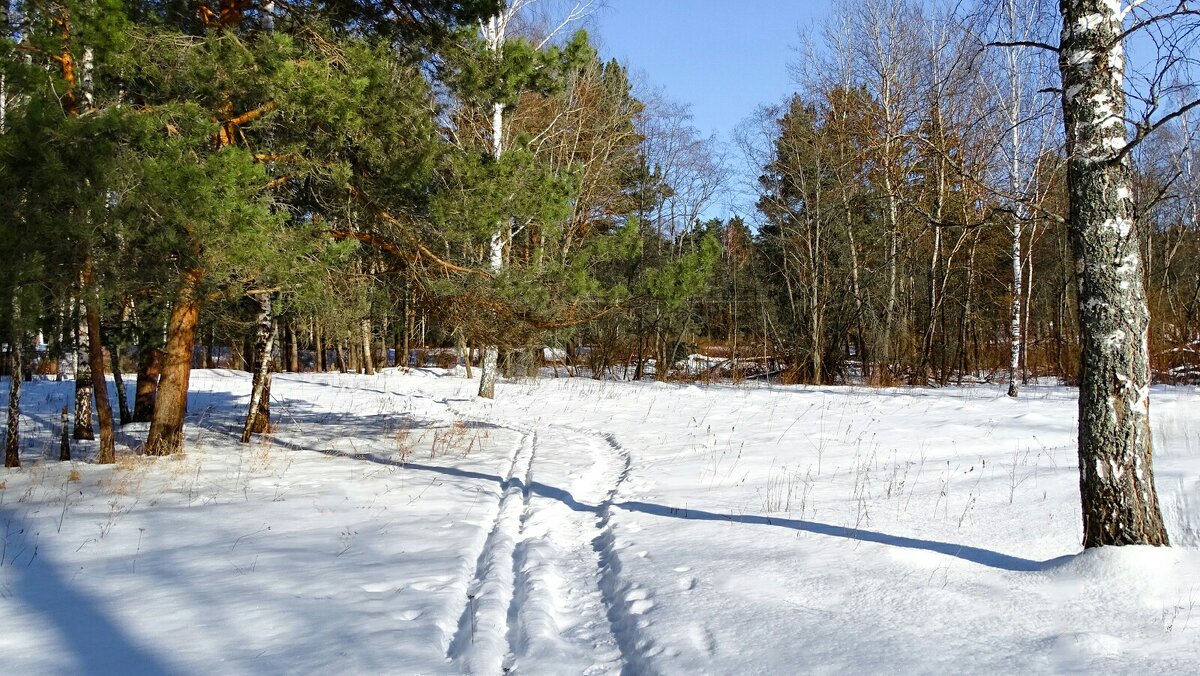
[(637, 594), (640, 602), (702, 638), (381, 587)]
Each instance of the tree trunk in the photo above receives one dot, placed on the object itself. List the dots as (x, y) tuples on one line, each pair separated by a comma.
[(293, 353), (107, 453), (354, 363), (340, 353), (1014, 359), (1026, 332), (12, 437), (368, 358), (166, 426), (1120, 505), (965, 363), (146, 390), (258, 416), (247, 354), (488, 367), (237, 355), (319, 346), (83, 377), (494, 34), (408, 329), (460, 349), (1015, 181), (64, 437), (119, 381), (114, 352)]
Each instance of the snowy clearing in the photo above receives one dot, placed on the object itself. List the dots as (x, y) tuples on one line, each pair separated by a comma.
[(396, 524)]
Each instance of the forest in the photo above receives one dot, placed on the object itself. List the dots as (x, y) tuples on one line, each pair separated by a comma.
[(350, 185), (437, 337)]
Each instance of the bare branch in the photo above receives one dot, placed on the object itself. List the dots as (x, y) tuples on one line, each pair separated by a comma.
[(1024, 43), (1145, 129)]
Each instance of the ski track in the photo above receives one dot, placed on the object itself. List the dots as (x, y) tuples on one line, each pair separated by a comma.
[(546, 594), (568, 608), (480, 641)]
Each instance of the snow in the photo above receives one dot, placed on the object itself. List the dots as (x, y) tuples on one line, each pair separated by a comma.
[(397, 524)]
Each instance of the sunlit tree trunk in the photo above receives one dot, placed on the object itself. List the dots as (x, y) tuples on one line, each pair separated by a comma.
[(319, 340), (258, 418), (91, 310), (83, 375), (1015, 181), (166, 426), (1120, 505), (368, 354)]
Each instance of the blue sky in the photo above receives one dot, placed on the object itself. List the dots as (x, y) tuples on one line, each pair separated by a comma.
[(722, 57)]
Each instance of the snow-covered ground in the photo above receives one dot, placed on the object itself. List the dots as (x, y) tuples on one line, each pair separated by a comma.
[(396, 524)]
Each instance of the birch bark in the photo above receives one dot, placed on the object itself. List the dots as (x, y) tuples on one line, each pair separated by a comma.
[(1120, 505)]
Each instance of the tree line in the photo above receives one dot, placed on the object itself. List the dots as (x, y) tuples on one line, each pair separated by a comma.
[(293, 185)]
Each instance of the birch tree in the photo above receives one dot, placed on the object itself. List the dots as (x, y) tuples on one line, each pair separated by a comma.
[(1120, 504), (495, 33), (1028, 135)]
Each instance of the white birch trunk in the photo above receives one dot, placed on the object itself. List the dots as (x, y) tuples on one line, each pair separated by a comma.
[(258, 416), (83, 375), (1014, 121), (1120, 505), (494, 34), (12, 436)]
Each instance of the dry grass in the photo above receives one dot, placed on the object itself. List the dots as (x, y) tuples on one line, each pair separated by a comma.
[(404, 444), (262, 456), (128, 474)]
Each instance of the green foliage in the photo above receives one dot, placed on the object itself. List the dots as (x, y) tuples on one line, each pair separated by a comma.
[(480, 76), (682, 278)]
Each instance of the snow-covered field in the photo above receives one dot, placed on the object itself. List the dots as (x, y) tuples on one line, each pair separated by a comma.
[(395, 524)]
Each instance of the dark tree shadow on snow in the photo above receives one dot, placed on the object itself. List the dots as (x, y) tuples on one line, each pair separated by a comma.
[(983, 557), (210, 408), (99, 645)]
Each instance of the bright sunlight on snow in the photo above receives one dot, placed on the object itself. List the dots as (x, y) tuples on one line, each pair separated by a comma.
[(396, 524)]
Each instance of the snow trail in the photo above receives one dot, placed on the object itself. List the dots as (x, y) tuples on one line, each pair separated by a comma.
[(562, 615), (568, 609), (480, 641)]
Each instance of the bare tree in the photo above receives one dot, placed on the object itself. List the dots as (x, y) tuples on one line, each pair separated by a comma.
[(1028, 135)]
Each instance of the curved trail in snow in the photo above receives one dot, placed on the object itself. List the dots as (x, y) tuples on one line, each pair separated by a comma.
[(552, 562), (546, 594)]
